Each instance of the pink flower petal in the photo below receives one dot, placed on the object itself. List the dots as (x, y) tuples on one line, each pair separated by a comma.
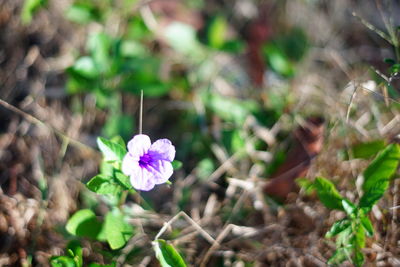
[(142, 179), (129, 164), (139, 145), (161, 171), (162, 149)]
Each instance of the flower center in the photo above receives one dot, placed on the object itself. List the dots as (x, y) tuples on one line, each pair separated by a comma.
[(144, 160)]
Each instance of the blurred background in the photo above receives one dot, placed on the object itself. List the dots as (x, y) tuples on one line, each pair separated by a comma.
[(233, 84)]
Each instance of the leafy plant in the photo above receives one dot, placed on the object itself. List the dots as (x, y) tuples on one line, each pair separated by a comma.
[(351, 231), (114, 228)]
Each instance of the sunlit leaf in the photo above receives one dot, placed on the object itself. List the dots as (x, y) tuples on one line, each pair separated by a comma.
[(338, 227), (328, 194), (103, 185), (111, 151), (116, 229), (348, 207), (86, 67), (81, 13), (62, 261), (366, 223), (29, 8), (217, 31), (167, 254), (378, 174), (176, 164), (182, 37), (84, 223)]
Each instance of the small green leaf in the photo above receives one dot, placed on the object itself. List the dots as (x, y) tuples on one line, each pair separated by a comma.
[(167, 254), (176, 164), (377, 175), (86, 67), (339, 256), (328, 194), (29, 8), (358, 258), (343, 239), (111, 151), (116, 229), (395, 68), (338, 227), (62, 261), (368, 149), (118, 140), (373, 194), (182, 37), (349, 207), (81, 13), (99, 45), (216, 32), (75, 250), (390, 61), (306, 184), (84, 223), (382, 167), (359, 237), (103, 185), (366, 223), (123, 179)]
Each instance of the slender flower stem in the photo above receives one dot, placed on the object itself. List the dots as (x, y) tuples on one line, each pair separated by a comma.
[(141, 112)]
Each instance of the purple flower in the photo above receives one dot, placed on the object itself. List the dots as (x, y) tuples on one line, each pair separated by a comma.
[(148, 164)]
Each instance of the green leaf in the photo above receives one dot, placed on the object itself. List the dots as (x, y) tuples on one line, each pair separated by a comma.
[(338, 227), (118, 140), (216, 32), (86, 67), (116, 229), (395, 68), (205, 168), (339, 256), (348, 207), (29, 8), (75, 250), (359, 237), (111, 151), (390, 61), (176, 164), (99, 45), (343, 239), (328, 194), (366, 223), (81, 13), (103, 185), (277, 60), (306, 184), (358, 258), (123, 179), (84, 223), (167, 254), (62, 261), (373, 194), (368, 149), (377, 175), (230, 109), (182, 38)]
